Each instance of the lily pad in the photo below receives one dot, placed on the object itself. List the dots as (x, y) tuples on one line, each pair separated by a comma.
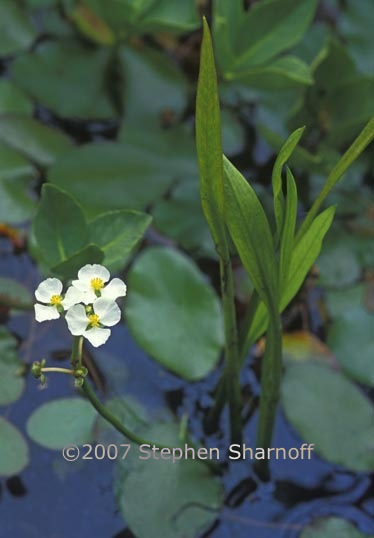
[(15, 294), (329, 411), (180, 217), (62, 422), (191, 495), (154, 86), (173, 313), (67, 78), (12, 100), (117, 233), (38, 142), (351, 339), (106, 176), (11, 382), (14, 452), (16, 31), (332, 527), (16, 176)]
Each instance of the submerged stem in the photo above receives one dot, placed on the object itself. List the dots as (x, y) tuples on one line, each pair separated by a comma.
[(231, 372), (270, 389), (76, 352)]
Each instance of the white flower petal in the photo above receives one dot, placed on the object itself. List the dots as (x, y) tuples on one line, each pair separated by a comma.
[(44, 313), (72, 297), (116, 288), (108, 311), (97, 336), (47, 288), (77, 320), (89, 297), (93, 271), (81, 285)]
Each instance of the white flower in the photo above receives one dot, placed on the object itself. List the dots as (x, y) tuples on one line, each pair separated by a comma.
[(92, 283), (92, 322), (49, 292)]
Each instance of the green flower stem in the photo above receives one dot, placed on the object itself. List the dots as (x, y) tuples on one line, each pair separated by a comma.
[(76, 352), (121, 428), (58, 370), (270, 389), (231, 372)]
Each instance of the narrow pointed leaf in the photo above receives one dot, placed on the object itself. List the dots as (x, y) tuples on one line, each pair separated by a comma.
[(288, 232)]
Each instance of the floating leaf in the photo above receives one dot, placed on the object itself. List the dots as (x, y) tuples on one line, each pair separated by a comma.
[(16, 176), (256, 37), (66, 77), (191, 497), (351, 338), (12, 100), (155, 87), (181, 218), (338, 265), (59, 226), (356, 22), (11, 382), (173, 313), (69, 268), (14, 452), (117, 233), (330, 412), (31, 138), (16, 31), (62, 422), (332, 527), (107, 176), (14, 294)]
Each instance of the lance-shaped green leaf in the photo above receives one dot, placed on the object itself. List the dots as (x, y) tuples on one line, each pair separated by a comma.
[(288, 231), (303, 256), (60, 227), (276, 178), (352, 153), (250, 231), (209, 140)]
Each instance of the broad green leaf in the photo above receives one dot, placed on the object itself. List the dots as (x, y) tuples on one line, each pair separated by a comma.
[(329, 411), (250, 231), (16, 31), (233, 133), (106, 176), (350, 337), (155, 87), (14, 452), (59, 226), (191, 495), (15, 294), (171, 16), (338, 264), (147, 16), (336, 108), (276, 178), (284, 73), (17, 202), (209, 142), (356, 23), (256, 37), (67, 78), (12, 383), (38, 142), (91, 26), (181, 218), (173, 313), (12, 100), (332, 527), (352, 153), (117, 233), (288, 231), (62, 422), (69, 268)]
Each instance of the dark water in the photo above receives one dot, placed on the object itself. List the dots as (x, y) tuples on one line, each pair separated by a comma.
[(56, 499)]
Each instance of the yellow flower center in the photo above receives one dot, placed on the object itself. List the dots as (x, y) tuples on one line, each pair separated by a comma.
[(56, 300), (94, 320), (97, 284)]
